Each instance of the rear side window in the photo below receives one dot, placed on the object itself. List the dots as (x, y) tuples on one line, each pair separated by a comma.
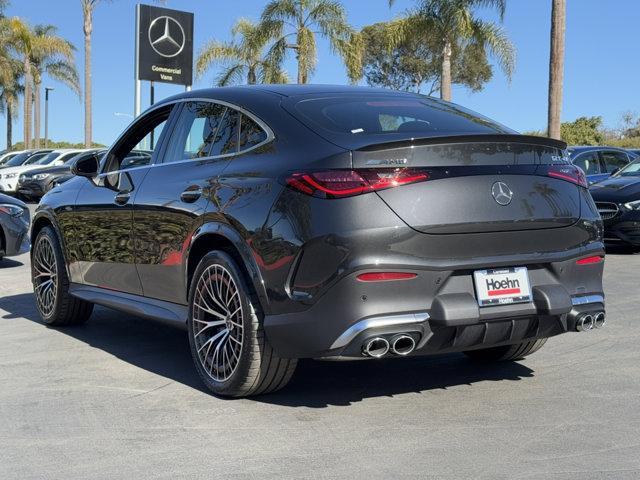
[(226, 139), (588, 162), (251, 134), (614, 160), (195, 131), (371, 115)]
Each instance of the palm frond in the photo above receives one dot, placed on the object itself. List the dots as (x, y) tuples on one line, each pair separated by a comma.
[(232, 74)]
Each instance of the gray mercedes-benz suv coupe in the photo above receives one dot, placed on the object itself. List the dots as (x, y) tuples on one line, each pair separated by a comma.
[(286, 222)]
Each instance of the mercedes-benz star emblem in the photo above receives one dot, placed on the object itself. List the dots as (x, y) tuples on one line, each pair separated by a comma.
[(166, 36), (501, 192)]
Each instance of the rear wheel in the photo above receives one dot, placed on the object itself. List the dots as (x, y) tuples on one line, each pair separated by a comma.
[(51, 283), (229, 348), (506, 352)]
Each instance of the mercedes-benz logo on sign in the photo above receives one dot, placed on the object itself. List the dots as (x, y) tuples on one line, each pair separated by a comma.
[(166, 36), (501, 192)]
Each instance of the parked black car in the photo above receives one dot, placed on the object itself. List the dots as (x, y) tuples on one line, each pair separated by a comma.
[(597, 162), (14, 227), (35, 183), (618, 201), (286, 222)]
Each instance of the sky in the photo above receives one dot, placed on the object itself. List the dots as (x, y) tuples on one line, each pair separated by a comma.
[(602, 67)]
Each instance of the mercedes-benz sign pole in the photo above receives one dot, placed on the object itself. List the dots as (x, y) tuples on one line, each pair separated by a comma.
[(164, 48)]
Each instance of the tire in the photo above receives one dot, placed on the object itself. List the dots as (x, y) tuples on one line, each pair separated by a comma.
[(53, 301), (252, 366), (506, 352)]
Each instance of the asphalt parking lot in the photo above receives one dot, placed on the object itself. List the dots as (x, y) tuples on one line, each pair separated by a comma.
[(119, 398)]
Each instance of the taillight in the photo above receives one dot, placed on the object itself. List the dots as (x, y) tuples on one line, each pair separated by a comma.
[(570, 173), (590, 260), (347, 183)]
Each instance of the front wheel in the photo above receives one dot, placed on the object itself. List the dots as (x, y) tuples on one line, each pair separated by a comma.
[(506, 352), (229, 348), (55, 304)]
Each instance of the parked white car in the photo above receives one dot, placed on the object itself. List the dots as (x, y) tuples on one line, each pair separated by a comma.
[(40, 159)]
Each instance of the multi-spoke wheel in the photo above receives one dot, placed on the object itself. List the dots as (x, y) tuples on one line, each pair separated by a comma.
[(228, 344), (51, 284), (45, 276), (217, 317)]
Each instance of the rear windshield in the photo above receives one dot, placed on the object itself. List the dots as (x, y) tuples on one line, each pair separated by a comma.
[(388, 115)]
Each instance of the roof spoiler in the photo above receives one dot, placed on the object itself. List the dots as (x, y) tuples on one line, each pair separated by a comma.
[(497, 138)]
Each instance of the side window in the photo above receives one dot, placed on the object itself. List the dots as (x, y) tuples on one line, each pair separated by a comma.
[(588, 162), (137, 146), (195, 131), (226, 140), (614, 160), (251, 133)]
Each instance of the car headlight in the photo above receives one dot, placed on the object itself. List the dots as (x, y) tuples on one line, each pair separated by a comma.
[(40, 176), (10, 175), (12, 210), (635, 205)]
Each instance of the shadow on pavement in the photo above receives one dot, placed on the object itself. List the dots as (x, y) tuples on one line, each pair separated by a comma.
[(10, 263), (164, 350)]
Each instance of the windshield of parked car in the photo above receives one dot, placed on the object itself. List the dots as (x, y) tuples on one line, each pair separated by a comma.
[(631, 170), (44, 160), (18, 160), (7, 157)]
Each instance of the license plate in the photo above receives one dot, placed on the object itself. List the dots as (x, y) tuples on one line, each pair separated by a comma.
[(502, 286)]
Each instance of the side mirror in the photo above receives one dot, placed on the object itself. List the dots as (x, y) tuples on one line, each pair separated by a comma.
[(57, 162), (87, 167)]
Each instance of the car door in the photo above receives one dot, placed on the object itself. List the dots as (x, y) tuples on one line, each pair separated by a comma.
[(170, 202), (103, 213), (589, 162), (613, 160)]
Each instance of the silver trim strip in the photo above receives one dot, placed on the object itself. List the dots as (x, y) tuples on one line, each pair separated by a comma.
[(585, 299), (270, 135), (377, 322)]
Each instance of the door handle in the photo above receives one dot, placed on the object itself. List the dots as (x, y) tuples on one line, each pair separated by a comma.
[(122, 198), (191, 194)]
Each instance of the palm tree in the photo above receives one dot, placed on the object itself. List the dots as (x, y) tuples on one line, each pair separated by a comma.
[(454, 25), (300, 20), (20, 39), (556, 66), (51, 55), (9, 97), (242, 58), (88, 6)]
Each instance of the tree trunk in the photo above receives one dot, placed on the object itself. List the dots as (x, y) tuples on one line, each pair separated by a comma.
[(88, 27), (251, 76), (27, 104), (556, 66), (36, 115), (445, 81), (9, 126)]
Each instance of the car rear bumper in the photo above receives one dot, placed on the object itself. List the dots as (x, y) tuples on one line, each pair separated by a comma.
[(440, 314)]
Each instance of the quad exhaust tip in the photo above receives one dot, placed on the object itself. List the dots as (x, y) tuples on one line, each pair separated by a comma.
[(584, 322), (403, 345), (376, 347), (589, 321)]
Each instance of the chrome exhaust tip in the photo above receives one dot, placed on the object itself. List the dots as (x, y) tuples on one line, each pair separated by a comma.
[(403, 345), (584, 323), (376, 347), (599, 320)]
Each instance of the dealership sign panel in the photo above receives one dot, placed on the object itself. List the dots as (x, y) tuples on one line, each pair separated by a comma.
[(164, 41)]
